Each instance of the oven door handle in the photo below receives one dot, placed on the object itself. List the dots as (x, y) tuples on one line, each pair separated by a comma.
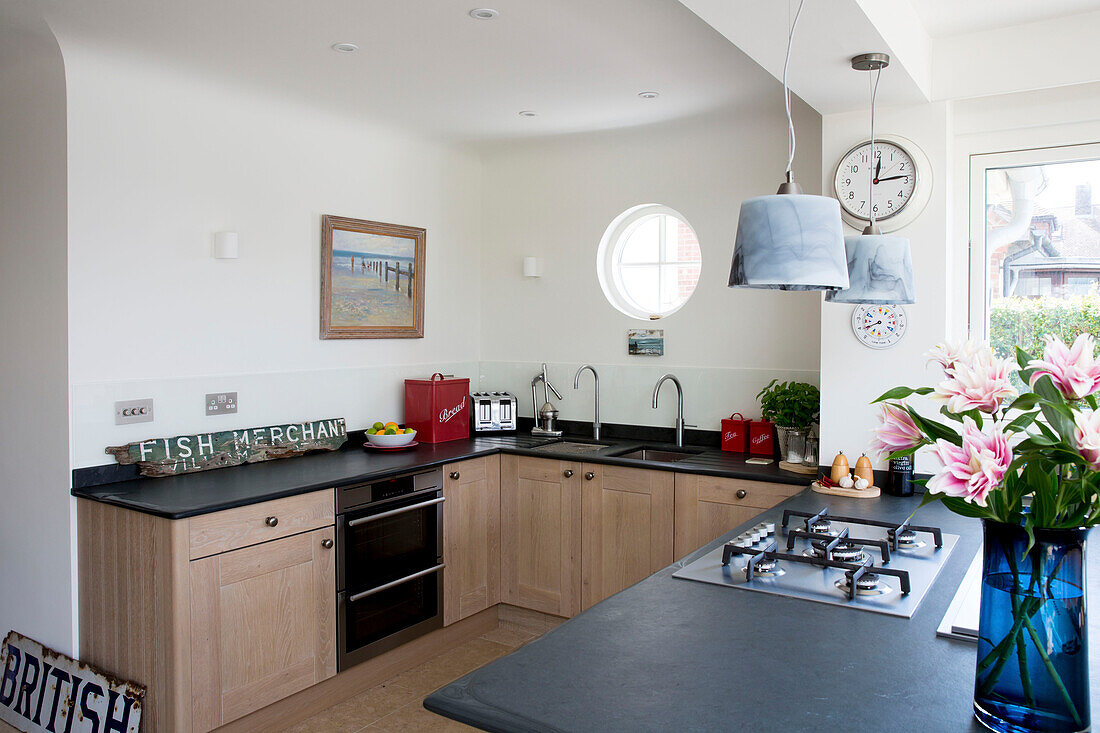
[(393, 583), (395, 512)]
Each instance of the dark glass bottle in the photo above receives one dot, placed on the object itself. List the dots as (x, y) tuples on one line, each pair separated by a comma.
[(900, 480)]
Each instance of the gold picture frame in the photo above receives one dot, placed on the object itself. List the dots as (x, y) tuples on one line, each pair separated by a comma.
[(372, 279)]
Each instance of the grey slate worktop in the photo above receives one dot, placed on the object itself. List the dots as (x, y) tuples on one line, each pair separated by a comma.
[(188, 495), (676, 655)]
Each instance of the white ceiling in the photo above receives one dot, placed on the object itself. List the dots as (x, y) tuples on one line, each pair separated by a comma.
[(942, 18), (425, 65)]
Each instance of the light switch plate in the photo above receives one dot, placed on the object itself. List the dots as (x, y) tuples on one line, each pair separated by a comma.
[(132, 411), (221, 403)]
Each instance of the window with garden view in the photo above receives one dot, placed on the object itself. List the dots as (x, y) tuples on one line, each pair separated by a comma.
[(1041, 269)]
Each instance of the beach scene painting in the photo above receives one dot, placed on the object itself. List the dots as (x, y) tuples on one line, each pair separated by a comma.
[(645, 342), (372, 279)]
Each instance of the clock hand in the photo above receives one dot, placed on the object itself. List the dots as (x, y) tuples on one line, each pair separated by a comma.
[(891, 178), (878, 168)]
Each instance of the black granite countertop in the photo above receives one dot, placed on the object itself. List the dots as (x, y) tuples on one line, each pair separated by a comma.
[(178, 497), (676, 655)]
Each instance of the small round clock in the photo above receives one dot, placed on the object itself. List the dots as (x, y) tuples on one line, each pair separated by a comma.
[(902, 183), (879, 326)]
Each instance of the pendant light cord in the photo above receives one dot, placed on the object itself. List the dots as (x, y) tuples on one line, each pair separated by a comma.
[(791, 141), (871, 177)]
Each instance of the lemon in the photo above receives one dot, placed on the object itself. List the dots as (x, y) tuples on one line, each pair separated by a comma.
[(378, 426)]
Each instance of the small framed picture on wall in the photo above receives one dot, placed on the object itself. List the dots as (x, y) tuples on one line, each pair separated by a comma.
[(372, 279)]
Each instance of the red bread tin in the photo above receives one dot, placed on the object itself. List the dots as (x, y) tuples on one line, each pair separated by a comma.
[(438, 409)]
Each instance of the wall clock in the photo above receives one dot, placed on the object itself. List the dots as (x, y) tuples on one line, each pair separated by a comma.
[(903, 183), (879, 326)]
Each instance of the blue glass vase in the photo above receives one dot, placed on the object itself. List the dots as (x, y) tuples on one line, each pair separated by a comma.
[(1032, 669)]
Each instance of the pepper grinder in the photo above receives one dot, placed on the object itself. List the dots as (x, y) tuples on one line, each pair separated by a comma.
[(840, 467)]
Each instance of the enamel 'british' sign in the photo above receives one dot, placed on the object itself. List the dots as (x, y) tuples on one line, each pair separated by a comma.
[(42, 690)]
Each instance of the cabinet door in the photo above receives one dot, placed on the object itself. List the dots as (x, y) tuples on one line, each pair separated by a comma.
[(627, 521), (708, 506), (263, 625), (540, 512), (471, 537)]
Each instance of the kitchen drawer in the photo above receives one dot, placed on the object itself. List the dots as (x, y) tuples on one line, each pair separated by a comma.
[(219, 532), (758, 494)]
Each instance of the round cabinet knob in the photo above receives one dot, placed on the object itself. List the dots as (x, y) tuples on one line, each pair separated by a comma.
[(327, 544), (271, 521), (741, 494), (568, 473), (589, 476), (454, 475)]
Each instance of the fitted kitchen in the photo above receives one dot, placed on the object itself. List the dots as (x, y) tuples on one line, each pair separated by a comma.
[(645, 365)]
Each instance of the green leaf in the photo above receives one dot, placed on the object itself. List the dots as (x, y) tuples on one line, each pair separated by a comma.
[(1021, 422), (905, 452), (966, 509), (900, 393), (933, 429), (1026, 401)]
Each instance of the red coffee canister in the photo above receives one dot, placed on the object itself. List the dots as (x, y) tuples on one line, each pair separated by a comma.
[(438, 409), (735, 433), (762, 438)]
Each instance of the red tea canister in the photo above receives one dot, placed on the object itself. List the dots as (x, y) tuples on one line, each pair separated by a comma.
[(438, 409), (762, 438), (735, 433)]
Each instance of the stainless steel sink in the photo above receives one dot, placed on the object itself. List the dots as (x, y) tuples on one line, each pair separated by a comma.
[(572, 448), (661, 455)]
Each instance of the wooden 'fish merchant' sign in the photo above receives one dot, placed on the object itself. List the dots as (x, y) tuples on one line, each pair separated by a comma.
[(42, 690), (190, 453)]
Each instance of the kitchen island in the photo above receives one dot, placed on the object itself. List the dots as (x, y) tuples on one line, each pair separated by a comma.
[(669, 654)]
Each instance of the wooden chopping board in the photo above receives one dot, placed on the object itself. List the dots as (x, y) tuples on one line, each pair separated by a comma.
[(869, 493)]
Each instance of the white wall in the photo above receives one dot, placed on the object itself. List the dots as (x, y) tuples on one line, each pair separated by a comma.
[(852, 375), (554, 199), (35, 569), (159, 160)]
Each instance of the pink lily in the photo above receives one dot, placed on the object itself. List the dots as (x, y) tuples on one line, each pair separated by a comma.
[(974, 469), (1074, 370)]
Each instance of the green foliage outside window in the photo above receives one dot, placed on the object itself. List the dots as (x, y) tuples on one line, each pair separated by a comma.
[(1024, 321)]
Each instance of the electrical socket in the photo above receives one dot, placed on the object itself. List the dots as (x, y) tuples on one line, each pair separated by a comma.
[(221, 403), (133, 411)]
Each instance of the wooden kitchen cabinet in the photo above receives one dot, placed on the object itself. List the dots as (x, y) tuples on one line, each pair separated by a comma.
[(540, 508), (263, 625), (471, 537), (627, 528), (709, 506)]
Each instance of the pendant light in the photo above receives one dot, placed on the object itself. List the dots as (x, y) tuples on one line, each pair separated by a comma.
[(880, 266), (791, 240)]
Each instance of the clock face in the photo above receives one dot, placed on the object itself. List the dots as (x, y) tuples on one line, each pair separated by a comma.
[(879, 326), (894, 175)]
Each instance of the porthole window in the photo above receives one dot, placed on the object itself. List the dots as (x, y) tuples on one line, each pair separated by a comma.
[(649, 261)]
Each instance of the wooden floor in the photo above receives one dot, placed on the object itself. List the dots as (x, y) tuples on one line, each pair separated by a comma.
[(397, 704)]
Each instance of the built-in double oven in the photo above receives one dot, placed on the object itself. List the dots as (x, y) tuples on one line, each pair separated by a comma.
[(389, 587)]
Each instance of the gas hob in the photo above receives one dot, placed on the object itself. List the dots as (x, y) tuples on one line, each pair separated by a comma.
[(865, 564)]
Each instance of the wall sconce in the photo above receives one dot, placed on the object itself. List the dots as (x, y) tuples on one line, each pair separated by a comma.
[(532, 267), (225, 246)]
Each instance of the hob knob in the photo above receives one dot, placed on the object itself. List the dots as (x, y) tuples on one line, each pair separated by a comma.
[(271, 521), (741, 494)]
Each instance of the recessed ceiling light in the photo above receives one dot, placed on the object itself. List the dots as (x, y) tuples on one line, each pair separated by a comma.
[(649, 95), (528, 113), (483, 13), (344, 47)]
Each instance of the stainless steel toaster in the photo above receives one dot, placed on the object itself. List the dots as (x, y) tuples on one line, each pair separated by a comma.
[(493, 411)]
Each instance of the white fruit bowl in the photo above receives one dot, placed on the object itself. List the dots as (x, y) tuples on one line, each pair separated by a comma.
[(391, 441)]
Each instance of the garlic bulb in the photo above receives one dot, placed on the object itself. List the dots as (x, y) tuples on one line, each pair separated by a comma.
[(846, 482), (862, 483)]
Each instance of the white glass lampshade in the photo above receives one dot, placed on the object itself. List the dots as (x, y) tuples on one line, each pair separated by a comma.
[(226, 246), (789, 242), (880, 270)]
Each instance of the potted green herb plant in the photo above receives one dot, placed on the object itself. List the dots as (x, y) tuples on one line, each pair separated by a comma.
[(793, 407)]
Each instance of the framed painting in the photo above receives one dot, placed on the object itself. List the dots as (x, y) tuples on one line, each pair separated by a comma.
[(372, 279)]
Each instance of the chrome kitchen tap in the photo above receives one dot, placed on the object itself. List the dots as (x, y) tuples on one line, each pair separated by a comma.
[(679, 406), (547, 414), (577, 384)]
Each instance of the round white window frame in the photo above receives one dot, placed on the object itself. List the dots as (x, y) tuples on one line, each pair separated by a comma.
[(606, 255)]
